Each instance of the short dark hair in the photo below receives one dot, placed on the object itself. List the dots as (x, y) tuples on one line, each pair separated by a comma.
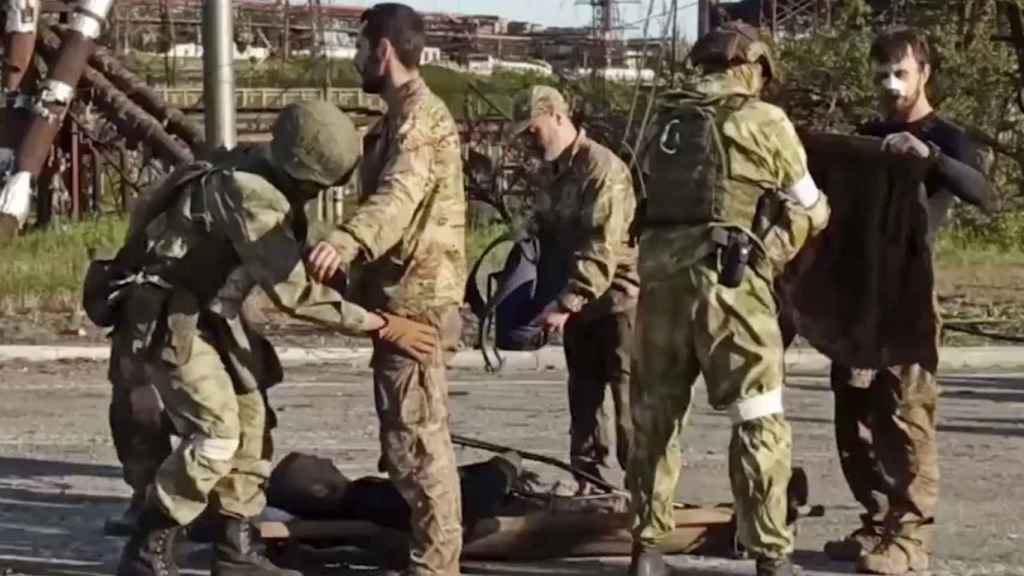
[(401, 25), (892, 45)]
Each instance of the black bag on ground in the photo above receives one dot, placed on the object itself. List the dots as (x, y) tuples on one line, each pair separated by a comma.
[(313, 488)]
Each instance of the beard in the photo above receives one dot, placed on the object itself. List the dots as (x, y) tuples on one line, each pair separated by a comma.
[(373, 76), (904, 103), (373, 83)]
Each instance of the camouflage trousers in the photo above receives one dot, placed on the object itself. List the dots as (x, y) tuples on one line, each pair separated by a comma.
[(598, 353), (416, 451), (689, 325), (224, 456), (885, 431)]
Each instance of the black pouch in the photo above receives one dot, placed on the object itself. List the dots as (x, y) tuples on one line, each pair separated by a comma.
[(735, 258), (102, 291)]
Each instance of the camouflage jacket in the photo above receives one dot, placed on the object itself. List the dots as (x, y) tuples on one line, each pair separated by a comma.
[(406, 236), (761, 148), (585, 209)]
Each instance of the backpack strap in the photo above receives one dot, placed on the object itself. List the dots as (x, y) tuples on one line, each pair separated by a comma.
[(497, 292)]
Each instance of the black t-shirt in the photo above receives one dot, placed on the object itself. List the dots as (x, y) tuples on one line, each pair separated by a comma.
[(957, 174)]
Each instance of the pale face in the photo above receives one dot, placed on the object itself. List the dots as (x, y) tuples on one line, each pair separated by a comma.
[(901, 85)]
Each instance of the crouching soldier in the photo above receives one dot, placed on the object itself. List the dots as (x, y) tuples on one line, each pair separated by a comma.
[(212, 238)]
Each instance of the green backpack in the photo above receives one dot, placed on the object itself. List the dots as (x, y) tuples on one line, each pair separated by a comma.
[(688, 180)]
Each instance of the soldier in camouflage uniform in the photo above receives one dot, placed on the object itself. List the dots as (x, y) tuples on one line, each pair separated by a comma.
[(138, 427), (583, 213), (721, 163), (208, 240), (406, 241)]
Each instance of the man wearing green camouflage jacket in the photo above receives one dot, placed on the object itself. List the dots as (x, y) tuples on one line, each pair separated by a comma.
[(729, 201), (582, 216), (404, 246), (207, 242)]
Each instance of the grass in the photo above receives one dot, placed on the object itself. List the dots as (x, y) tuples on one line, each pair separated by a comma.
[(44, 269)]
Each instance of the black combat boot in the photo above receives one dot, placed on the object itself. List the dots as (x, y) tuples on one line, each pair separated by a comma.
[(150, 551), (647, 561), (775, 566), (236, 552), (127, 523)]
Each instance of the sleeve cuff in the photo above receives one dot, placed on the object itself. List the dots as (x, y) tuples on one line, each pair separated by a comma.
[(571, 303), (345, 245)]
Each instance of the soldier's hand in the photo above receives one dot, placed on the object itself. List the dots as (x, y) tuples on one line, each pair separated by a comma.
[(906, 144), (555, 321), (323, 262), (415, 339)]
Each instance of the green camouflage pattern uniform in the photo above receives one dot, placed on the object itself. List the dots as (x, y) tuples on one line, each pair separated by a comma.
[(584, 211), (404, 248), (238, 228), (688, 324), (143, 445)]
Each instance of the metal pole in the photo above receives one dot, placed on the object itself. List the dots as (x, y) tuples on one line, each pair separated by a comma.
[(703, 18), (218, 74), (675, 38)]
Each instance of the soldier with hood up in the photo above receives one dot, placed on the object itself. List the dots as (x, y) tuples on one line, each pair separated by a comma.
[(729, 202)]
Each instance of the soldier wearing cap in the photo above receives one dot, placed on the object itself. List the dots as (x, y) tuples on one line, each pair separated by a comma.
[(729, 201), (210, 240), (406, 238), (582, 216)]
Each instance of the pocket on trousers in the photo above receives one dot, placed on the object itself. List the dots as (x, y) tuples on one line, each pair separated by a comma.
[(400, 391), (182, 327)]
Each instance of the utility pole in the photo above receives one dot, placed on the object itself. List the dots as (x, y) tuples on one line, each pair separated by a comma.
[(675, 39), (286, 49), (703, 18), (218, 74)]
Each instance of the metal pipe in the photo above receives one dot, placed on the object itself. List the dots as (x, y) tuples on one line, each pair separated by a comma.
[(49, 107), (218, 74), (703, 18)]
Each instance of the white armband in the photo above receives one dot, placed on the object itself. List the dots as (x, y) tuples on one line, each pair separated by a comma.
[(805, 192)]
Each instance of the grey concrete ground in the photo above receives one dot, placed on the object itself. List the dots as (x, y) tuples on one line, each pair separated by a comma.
[(59, 477)]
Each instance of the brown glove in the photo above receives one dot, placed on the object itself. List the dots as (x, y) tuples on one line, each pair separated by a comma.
[(415, 339)]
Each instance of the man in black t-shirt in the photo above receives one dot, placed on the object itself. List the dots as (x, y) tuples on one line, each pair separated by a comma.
[(885, 418)]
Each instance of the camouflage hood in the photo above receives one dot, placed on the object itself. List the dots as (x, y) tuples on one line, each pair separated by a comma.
[(742, 80)]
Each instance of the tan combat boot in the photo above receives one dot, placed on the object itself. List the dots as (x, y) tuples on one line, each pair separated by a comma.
[(902, 550), (857, 543)]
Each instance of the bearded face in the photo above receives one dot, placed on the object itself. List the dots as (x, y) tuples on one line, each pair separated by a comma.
[(370, 65), (901, 84)]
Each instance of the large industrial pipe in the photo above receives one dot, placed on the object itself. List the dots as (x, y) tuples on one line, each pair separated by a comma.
[(218, 74), (20, 28), (49, 107)]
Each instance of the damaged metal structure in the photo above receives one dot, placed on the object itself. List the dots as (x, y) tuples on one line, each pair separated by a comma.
[(53, 98), (64, 93)]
